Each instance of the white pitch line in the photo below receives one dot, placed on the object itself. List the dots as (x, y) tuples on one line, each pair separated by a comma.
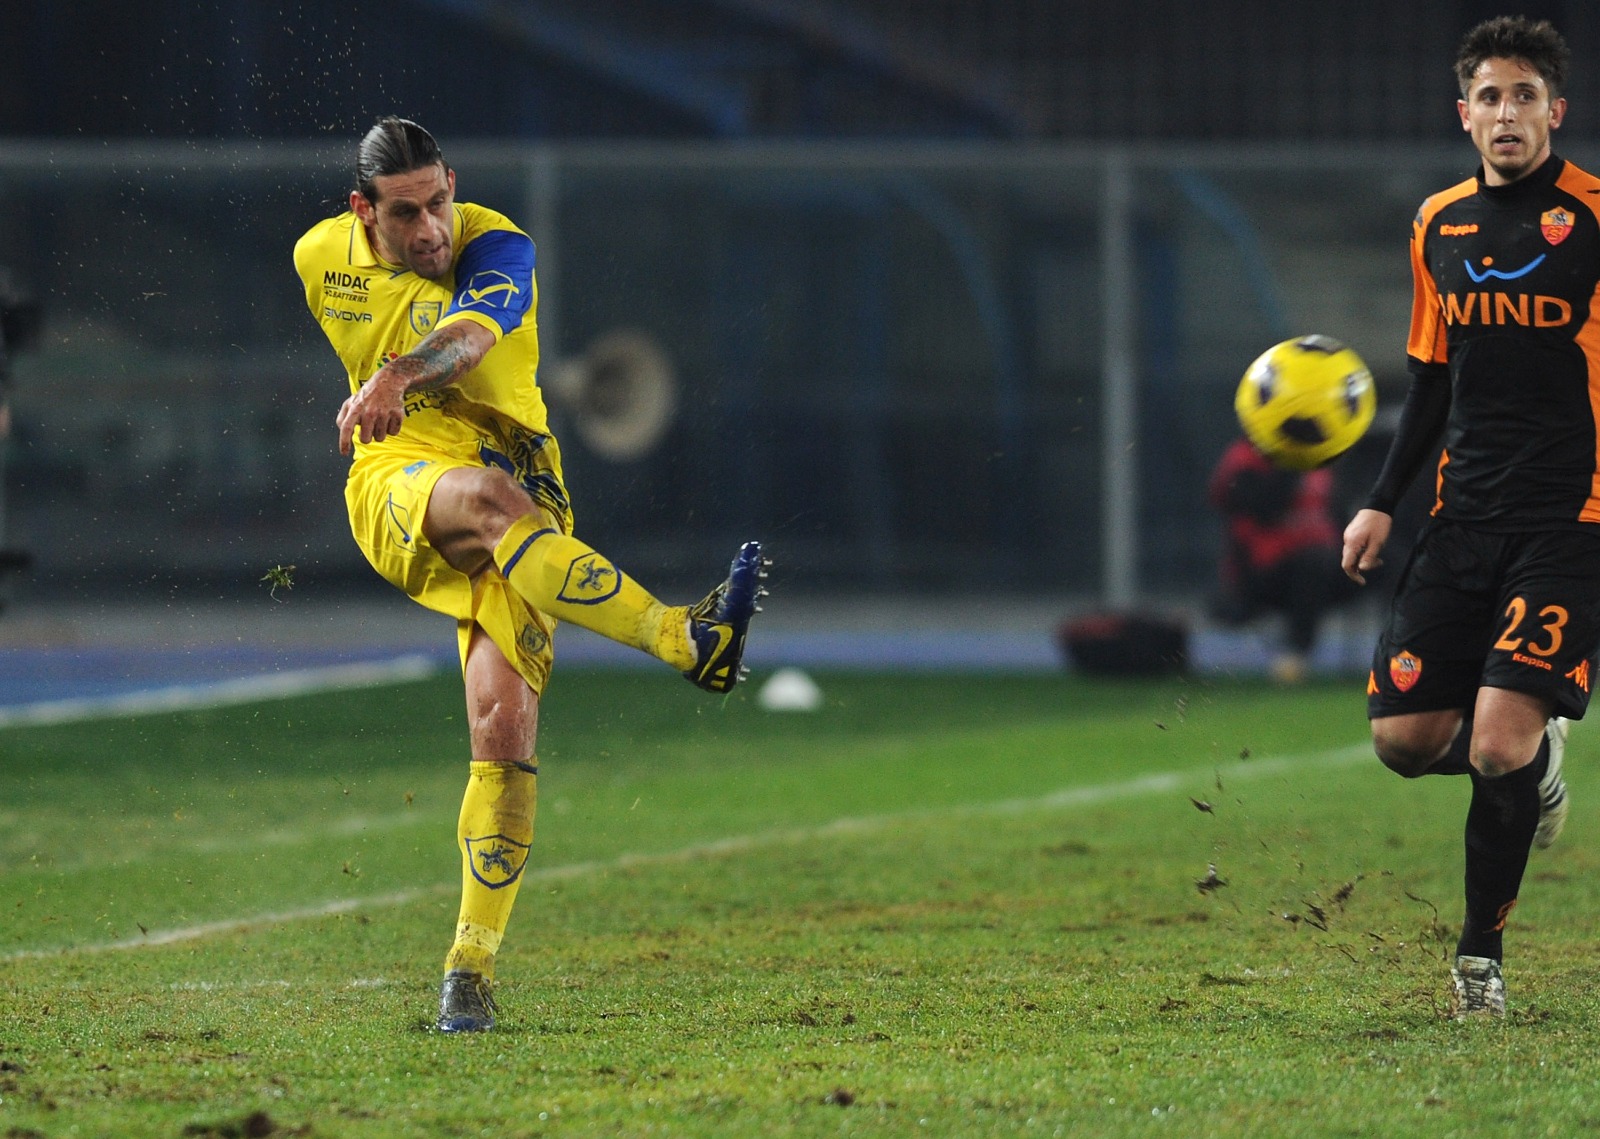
[(222, 693), (1157, 783)]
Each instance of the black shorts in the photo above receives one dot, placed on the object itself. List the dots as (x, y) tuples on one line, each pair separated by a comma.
[(1476, 609)]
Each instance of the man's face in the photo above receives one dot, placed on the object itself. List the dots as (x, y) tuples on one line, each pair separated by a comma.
[(1509, 113), (412, 221)]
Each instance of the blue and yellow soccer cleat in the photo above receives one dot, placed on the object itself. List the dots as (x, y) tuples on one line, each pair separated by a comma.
[(465, 1003), (718, 625)]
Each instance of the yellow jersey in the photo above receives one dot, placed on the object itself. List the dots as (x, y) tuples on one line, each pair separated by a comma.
[(373, 312)]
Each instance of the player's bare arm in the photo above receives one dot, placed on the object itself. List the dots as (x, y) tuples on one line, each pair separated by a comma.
[(378, 409), (1363, 543)]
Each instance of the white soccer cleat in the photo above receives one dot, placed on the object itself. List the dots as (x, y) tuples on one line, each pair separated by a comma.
[(1478, 988), (1553, 787)]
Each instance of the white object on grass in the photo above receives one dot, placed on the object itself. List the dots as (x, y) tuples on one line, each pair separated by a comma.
[(790, 690)]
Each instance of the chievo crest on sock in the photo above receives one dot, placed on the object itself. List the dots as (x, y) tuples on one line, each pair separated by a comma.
[(591, 579), (496, 860)]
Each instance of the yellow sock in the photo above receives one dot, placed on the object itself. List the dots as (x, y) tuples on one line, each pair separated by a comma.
[(560, 575), (495, 831)]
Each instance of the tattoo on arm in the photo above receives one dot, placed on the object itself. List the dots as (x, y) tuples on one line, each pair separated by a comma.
[(442, 357)]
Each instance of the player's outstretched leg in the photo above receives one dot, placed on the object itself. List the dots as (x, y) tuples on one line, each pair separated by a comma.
[(719, 623), (1553, 804), (562, 576)]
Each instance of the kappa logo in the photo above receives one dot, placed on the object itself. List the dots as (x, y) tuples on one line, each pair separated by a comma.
[(1555, 224), (496, 860), (488, 289), (1458, 230), (1405, 670), (590, 580), (1505, 912), (1580, 675)]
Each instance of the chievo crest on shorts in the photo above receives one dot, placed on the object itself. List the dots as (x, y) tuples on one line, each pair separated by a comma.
[(496, 860), (1405, 670)]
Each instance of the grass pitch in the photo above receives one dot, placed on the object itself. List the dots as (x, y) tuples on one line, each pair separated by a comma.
[(942, 906)]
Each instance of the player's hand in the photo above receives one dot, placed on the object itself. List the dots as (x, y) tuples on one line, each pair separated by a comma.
[(376, 411), (1363, 543)]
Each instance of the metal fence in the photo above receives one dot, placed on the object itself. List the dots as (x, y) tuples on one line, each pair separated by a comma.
[(929, 368)]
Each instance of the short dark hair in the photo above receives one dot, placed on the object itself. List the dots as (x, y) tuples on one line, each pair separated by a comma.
[(393, 146), (1535, 42)]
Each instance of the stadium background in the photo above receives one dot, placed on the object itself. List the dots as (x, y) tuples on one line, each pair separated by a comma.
[(963, 285)]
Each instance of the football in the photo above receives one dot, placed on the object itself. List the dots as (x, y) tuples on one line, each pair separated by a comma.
[(1305, 402)]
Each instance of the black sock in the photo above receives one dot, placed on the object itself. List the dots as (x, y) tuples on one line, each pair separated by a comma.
[(1500, 825), (1457, 759)]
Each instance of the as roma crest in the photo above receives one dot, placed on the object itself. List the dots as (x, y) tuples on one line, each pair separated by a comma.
[(1405, 670), (1555, 225)]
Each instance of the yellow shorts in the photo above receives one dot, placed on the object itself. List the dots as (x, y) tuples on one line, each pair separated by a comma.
[(387, 496)]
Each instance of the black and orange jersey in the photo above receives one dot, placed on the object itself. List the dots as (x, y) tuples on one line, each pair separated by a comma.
[(1505, 309)]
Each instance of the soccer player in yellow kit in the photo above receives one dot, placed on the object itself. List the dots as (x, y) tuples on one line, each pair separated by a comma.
[(455, 496)]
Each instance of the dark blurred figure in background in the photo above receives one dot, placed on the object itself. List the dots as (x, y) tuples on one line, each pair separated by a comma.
[(19, 325), (1280, 553)]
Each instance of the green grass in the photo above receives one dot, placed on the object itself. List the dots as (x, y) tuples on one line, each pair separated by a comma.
[(942, 906)]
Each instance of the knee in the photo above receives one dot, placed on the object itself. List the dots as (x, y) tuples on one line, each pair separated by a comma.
[(1493, 761), (496, 500), (502, 727), (490, 719), (1407, 756), (1407, 764)]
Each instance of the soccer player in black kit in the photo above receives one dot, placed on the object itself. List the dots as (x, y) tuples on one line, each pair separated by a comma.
[(1490, 642)]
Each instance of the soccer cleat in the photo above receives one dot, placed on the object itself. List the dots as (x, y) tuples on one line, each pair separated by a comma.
[(718, 624), (1553, 787), (465, 1003), (1479, 990)]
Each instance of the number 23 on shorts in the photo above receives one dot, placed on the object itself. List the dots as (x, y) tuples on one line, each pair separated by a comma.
[(1545, 629)]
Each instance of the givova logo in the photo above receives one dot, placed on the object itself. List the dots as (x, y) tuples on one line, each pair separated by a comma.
[(488, 289)]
